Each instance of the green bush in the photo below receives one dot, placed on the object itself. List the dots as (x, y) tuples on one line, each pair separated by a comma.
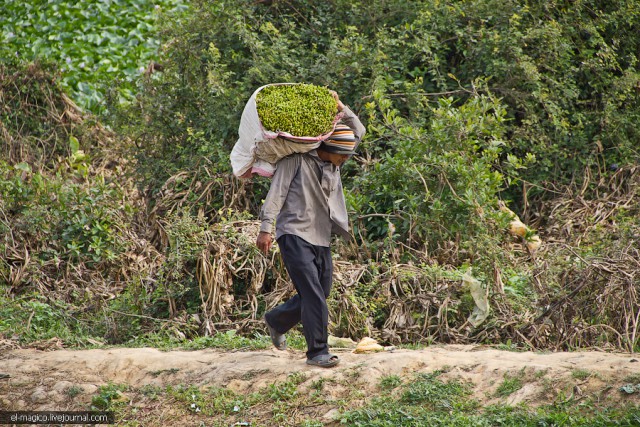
[(188, 237), (562, 74), (94, 43), (437, 185), (33, 317), (76, 222)]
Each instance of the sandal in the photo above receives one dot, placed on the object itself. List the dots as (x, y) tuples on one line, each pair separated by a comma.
[(324, 360), (279, 341)]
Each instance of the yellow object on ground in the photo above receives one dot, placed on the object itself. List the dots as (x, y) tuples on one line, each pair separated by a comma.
[(519, 229), (534, 243), (368, 345)]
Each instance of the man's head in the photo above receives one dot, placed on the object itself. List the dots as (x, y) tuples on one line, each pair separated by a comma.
[(339, 146), (335, 158)]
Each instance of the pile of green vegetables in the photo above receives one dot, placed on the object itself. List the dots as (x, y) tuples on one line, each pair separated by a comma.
[(298, 109)]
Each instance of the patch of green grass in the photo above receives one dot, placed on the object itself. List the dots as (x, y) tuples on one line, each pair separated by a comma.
[(418, 410), (285, 397), (73, 391), (33, 317), (509, 346), (152, 392), (286, 390), (419, 404), (510, 385), (390, 382), (207, 401), (413, 346), (318, 384), (160, 340), (109, 396), (230, 340), (509, 416), (580, 374), (633, 378), (429, 391)]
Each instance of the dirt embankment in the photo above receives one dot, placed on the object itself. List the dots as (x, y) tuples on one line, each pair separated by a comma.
[(42, 380)]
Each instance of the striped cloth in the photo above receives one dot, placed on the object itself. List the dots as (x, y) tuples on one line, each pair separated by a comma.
[(341, 141)]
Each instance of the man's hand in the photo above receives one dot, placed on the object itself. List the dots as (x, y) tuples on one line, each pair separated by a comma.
[(264, 242), (337, 98)]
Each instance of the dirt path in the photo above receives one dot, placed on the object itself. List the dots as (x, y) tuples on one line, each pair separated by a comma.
[(41, 380)]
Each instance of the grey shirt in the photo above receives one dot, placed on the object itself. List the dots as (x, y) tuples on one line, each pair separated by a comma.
[(306, 197)]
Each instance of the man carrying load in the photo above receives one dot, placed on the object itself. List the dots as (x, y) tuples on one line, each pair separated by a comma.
[(307, 204)]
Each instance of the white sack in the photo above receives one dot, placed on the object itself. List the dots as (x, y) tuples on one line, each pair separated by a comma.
[(258, 150)]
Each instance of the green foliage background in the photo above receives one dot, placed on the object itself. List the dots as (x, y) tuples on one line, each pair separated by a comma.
[(467, 103), (561, 78), (93, 42)]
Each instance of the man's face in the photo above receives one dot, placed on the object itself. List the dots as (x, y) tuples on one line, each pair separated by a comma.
[(335, 158)]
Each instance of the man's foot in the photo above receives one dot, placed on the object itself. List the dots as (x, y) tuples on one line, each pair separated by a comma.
[(324, 360), (279, 341)]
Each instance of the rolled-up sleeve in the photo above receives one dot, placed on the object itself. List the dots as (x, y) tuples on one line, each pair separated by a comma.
[(282, 178)]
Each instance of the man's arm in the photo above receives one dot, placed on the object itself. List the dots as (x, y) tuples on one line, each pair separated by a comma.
[(285, 172), (350, 118)]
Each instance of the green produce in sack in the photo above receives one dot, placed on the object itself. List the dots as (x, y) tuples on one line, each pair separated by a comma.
[(297, 109), (280, 119)]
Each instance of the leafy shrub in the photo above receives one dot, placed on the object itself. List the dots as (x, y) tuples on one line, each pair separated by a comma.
[(441, 174), (562, 85), (94, 42), (72, 221), (32, 317), (109, 396), (510, 384)]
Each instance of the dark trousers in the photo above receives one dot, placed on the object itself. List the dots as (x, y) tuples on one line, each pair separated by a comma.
[(311, 269)]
